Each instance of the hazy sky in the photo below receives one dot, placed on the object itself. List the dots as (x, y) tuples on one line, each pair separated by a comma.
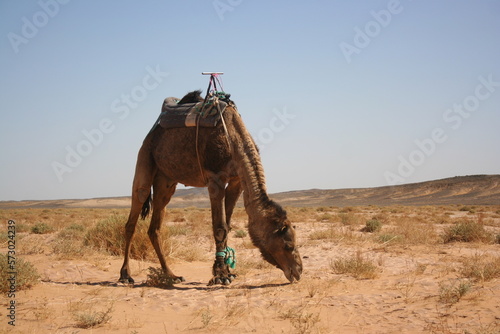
[(338, 94)]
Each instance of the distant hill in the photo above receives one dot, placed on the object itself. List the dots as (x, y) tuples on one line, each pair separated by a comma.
[(470, 190), (475, 189)]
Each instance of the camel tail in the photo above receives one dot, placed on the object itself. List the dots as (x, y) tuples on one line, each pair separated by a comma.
[(146, 207)]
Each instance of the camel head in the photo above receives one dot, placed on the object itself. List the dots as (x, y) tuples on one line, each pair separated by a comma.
[(275, 237)]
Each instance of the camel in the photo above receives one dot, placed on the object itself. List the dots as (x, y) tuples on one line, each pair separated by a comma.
[(225, 159)]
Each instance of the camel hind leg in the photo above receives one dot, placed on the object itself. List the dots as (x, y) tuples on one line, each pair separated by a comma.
[(163, 191), (141, 194)]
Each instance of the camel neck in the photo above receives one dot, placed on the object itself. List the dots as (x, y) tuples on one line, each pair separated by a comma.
[(249, 165)]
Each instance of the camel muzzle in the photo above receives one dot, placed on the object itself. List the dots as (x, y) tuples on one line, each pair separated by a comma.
[(293, 273)]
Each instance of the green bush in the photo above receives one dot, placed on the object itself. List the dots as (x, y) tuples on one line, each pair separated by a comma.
[(373, 225), (466, 231), (26, 274), (41, 228)]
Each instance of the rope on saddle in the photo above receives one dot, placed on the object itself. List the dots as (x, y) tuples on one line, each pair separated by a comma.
[(229, 255)]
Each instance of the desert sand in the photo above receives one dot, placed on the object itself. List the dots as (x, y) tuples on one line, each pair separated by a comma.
[(413, 287)]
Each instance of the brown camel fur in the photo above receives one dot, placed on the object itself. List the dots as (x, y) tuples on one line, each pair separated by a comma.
[(230, 164)]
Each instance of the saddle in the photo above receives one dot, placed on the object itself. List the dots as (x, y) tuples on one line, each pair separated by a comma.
[(174, 115)]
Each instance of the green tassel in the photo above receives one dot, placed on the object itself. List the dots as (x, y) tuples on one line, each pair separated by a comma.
[(229, 255)]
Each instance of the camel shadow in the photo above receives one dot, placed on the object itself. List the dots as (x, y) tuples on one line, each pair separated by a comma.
[(204, 287), (186, 286)]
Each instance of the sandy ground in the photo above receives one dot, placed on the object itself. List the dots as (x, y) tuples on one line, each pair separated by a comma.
[(405, 297)]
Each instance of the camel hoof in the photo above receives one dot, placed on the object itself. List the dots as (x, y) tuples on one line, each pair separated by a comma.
[(126, 280), (221, 280), (179, 279)]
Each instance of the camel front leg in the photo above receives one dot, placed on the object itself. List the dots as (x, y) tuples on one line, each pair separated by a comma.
[(233, 192), (220, 271)]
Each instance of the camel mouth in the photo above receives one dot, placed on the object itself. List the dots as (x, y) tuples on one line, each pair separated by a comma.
[(293, 274)]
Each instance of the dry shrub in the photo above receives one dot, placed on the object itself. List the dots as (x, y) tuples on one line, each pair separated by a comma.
[(373, 225), (344, 234), (189, 250), (41, 228), (356, 266), (178, 229), (348, 209), (90, 314), (199, 221), (324, 234), (302, 214), (453, 292), (108, 235), (481, 267), (466, 231), (42, 310), (349, 218), (410, 230), (26, 274), (157, 278), (68, 242), (33, 244), (326, 217), (302, 320)]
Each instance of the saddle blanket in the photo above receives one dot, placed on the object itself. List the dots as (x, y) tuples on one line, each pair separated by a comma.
[(175, 115)]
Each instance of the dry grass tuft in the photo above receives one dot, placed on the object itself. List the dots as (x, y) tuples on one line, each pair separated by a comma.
[(68, 243), (349, 218), (108, 236), (90, 314), (325, 234), (451, 293), (356, 266), (481, 267), (409, 231), (300, 318)]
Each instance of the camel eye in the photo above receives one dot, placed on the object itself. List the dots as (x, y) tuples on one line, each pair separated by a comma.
[(282, 230)]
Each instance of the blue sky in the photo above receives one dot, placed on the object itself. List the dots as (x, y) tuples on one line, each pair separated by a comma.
[(338, 94)]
